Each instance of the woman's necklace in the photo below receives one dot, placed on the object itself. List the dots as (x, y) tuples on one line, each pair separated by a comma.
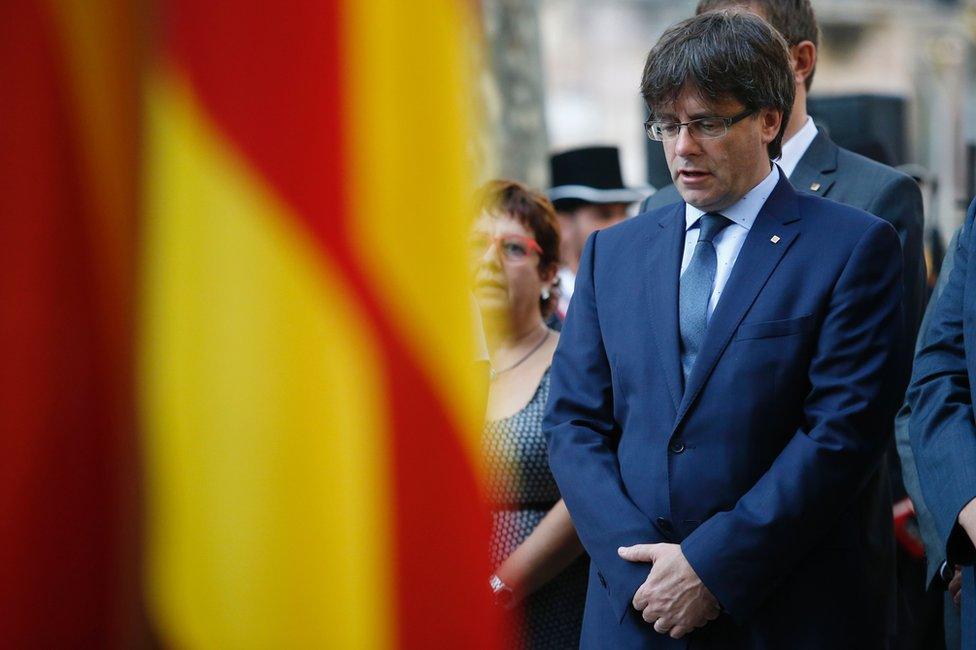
[(495, 373)]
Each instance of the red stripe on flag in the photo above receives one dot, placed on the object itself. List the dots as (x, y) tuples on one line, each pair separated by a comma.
[(61, 439), (272, 77)]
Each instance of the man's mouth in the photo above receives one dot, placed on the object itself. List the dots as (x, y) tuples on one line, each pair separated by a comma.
[(692, 177)]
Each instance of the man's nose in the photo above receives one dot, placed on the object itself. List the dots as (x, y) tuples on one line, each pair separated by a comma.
[(685, 144)]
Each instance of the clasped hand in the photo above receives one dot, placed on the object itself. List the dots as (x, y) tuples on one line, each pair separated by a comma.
[(672, 598)]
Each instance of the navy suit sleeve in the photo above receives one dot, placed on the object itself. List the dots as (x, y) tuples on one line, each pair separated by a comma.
[(942, 430), (934, 548), (742, 554), (582, 435)]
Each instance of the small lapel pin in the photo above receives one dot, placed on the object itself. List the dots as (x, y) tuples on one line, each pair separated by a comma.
[(774, 239), (814, 186)]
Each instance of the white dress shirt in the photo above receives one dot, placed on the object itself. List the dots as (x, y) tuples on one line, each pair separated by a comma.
[(795, 147), (729, 241)]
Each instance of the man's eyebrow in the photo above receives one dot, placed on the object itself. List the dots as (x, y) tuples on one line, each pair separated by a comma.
[(671, 117)]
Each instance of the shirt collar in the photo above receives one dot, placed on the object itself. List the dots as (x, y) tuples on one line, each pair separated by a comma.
[(795, 147), (745, 210)]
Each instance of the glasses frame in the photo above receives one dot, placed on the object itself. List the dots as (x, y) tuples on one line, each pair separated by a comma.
[(529, 243), (728, 121)]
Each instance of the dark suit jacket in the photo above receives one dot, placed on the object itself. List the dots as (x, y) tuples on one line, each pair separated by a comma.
[(934, 552), (942, 428), (766, 466), (854, 180)]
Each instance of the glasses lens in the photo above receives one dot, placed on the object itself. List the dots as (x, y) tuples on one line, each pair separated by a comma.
[(664, 130), (709, 127)]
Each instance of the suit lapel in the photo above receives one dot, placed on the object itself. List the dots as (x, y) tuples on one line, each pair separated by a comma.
[(663, 265), (756, 261), (815, 173)]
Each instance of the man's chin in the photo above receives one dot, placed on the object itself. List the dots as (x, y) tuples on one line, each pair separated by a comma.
[(695, 198)]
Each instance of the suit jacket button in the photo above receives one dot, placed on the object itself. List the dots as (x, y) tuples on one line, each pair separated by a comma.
[(664, 525), (677, 446)]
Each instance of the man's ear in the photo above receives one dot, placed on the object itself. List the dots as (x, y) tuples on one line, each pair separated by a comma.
[(803, 57), (770, 121)]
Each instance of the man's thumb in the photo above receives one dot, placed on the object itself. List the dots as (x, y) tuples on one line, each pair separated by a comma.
[(638, 552)]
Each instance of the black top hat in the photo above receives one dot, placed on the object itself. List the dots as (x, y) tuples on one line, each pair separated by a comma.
[(591, 175)]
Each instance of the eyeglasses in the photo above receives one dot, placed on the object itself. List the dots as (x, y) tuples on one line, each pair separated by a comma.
[(702, 128), (514, 248)]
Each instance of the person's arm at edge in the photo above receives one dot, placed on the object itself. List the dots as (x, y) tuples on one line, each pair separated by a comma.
[(934, 549), (943, 433), (551, 547)]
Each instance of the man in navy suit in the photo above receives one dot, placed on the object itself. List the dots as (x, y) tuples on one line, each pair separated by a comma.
[(815, 164), (726, 377), (942, 429)]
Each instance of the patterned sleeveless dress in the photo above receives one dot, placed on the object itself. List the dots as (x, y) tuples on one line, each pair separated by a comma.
[(521, 490)]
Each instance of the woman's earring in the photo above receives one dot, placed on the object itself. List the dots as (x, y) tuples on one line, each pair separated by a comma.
[(545, 293)]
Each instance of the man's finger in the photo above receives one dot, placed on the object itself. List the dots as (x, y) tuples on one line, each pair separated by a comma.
[(678, 631), (662, 625), (651, 613), (638, 552), (641, 597)]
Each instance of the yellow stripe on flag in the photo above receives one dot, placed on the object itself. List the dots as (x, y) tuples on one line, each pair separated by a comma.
[(409, 78), (265, 436)]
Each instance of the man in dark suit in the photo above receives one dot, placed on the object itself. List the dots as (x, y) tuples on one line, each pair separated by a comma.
[(816, 165), (942, 428), (722, 391)]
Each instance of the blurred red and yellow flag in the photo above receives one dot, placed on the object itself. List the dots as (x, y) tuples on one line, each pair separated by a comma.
[(309, 401), (279, 192)]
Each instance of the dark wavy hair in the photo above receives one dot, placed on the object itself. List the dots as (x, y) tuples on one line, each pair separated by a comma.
[(794, 19), (721, 55), (533, 210)]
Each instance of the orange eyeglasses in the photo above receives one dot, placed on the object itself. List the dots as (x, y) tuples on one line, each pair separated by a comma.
[(514, 248)]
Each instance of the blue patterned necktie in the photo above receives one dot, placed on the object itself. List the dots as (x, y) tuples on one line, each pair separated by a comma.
[(695, 290)]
